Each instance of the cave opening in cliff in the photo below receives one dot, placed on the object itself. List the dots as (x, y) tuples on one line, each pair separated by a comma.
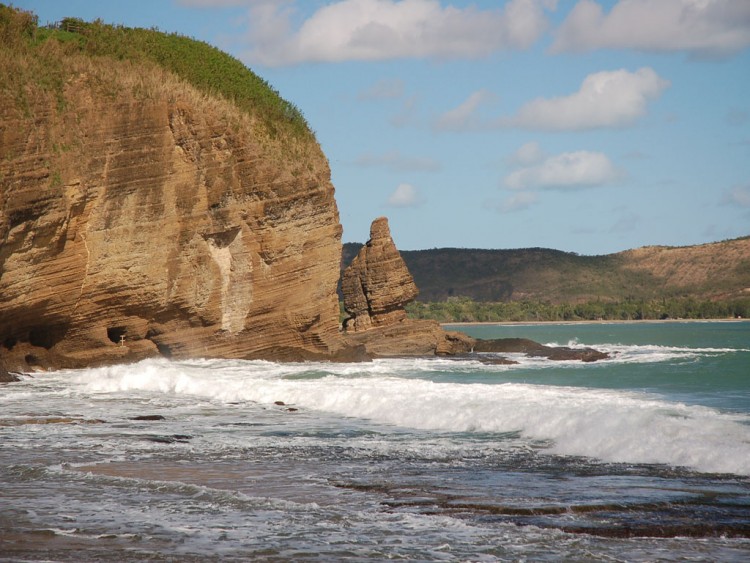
[(46, 336), (116, 334), (164, 350)]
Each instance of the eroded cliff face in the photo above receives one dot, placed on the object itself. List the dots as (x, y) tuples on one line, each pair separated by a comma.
[(142, 218)]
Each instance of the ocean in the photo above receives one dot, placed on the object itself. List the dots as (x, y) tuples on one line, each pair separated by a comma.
[(641, 457)]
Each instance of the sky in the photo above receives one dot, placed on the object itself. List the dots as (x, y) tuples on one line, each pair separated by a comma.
[(589, 126)]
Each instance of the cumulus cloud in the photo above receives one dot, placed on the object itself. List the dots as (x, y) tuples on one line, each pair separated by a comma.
[(605, 99), (396, 162), (372, 30), (405, 195), (615, 98), (579, 169), (701, 27)]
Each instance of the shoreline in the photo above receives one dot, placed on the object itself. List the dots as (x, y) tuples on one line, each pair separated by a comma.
[(584, 322)]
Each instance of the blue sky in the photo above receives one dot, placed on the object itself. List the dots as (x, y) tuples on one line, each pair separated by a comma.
[(586, 126)]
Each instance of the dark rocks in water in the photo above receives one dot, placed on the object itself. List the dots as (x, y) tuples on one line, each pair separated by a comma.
[(279, 403), (536, 350), (487, 360), (148, 417), (5, 375), (50, 420), (170, 439)]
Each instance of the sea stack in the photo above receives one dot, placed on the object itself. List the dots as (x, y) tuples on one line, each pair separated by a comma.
[(377, 284), (376, 288)]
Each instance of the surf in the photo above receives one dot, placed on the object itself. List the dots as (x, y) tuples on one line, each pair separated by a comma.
[(613, 426)]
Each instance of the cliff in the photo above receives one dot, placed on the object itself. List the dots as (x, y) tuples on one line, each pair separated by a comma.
[(141, 215)]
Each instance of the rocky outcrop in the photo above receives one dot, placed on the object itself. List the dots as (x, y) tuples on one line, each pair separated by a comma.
[(377, 284), (376, 287), (139, 217), (410, 338), (6, 377), (536, 350)]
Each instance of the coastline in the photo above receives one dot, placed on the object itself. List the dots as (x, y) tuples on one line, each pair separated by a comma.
[(585, 322)]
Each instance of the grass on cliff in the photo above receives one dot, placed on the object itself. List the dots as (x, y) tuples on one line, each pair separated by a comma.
[(205, 67)]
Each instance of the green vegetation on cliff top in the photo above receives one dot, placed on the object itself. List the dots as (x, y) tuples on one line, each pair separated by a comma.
[(205, 67)]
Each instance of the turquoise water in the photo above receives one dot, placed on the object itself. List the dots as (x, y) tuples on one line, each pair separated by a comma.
[(705, 363), (641, 457)]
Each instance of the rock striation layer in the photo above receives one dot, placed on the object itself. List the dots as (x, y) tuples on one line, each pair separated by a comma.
[(140, 217)]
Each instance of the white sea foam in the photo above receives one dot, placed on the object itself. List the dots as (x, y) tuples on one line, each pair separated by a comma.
[(613, 426), (648, 353)]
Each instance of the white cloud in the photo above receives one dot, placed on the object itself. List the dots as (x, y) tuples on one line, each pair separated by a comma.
[(397, 162), (701, 27), (739, 196), (463, 117), (405, 195), (580, 169), (605, 99), (371, 30), (615, 98)]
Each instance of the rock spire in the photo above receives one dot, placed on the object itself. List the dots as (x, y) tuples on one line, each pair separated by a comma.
[(377, 284)]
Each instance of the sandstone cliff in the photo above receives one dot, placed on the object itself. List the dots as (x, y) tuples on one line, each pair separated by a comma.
[(140, 216)]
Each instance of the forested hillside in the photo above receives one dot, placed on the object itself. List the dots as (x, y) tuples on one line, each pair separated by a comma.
[(707, 280)]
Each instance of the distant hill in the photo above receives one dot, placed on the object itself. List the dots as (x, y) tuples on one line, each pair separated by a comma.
[(710, 271)]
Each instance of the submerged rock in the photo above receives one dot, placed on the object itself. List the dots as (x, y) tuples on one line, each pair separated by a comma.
[(49, 420), (534, 349), (6, 376)]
